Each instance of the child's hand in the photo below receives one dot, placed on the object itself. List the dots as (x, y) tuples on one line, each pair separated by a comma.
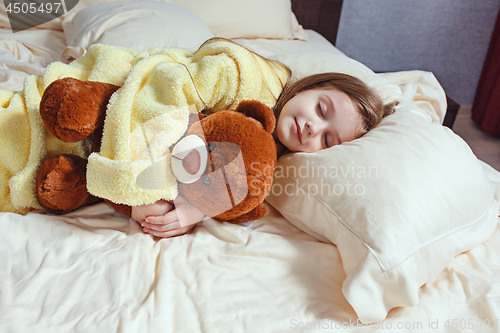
[(167, 224), (161, 207)]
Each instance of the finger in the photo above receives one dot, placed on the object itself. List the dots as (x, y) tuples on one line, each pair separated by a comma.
[(162, 227), (167, 234), (169, 217)]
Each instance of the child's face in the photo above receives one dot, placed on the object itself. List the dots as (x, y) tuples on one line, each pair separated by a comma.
[(318, 118)]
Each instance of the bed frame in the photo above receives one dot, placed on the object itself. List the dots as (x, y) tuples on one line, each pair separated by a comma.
[(320, 15)]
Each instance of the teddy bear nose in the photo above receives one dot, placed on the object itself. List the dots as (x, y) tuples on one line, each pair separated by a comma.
[(192, 162)]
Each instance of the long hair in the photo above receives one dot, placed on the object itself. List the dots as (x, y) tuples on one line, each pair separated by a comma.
[(363, 97)]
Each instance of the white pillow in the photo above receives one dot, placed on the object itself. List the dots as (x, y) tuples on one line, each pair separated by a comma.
[(137, 25), (247, 19), (399, 202)]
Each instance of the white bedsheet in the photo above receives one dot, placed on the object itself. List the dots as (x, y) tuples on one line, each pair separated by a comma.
[(27, 53), (94, 270)]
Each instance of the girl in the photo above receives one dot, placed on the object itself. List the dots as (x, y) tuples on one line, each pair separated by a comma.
[(314, 113), (324, 110)]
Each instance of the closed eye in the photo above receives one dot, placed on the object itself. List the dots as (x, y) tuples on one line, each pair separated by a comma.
[(320, 110)]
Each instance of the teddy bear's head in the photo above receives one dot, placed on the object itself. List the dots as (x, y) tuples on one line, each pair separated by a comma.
[(225, 163)]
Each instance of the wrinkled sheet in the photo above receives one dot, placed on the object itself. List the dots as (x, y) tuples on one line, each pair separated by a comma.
[(27, 53), (95, 270)]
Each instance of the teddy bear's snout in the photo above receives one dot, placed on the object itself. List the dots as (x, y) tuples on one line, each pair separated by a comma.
[(189, 159)]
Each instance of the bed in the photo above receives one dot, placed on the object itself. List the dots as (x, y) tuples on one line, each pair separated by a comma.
[(315, 262)]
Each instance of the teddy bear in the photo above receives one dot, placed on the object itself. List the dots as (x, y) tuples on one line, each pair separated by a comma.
[(224, 163)]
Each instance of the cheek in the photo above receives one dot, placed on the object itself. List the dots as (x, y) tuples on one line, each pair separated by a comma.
[(290, 108), (313, 146), (281, 127)]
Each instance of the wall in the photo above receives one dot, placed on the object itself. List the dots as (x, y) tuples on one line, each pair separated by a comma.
[(447, 37)]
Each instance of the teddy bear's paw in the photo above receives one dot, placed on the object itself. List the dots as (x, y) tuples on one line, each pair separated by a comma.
[(255, 214), (61, 184), (72, 109)]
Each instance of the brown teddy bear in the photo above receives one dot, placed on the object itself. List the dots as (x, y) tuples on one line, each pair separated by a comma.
[(226, 174)]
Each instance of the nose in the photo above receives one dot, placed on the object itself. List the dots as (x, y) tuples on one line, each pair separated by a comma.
[(311, 129)]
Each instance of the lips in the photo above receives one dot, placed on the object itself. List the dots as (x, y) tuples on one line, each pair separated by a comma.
[(298, 131)]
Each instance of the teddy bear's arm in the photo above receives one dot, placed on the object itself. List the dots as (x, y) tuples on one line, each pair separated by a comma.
[(255, 214), (122, 209)]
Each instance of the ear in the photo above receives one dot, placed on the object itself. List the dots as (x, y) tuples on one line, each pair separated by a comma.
[(195, 117), (259, 112)]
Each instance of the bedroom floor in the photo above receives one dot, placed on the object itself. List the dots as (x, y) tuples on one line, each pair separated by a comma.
[(484, 146)]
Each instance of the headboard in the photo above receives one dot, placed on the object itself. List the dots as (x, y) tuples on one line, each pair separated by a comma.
[(320, 15)]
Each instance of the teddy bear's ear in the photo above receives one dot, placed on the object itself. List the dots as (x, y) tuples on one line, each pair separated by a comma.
[(195, 117), (259, 112)]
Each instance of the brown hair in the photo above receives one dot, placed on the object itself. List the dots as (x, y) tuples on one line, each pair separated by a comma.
[(364, 98)]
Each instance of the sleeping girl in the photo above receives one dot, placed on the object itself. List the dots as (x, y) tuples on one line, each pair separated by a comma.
[(314, 113)]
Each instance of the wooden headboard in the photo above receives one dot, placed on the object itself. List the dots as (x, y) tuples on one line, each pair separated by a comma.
[(320, 15)]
